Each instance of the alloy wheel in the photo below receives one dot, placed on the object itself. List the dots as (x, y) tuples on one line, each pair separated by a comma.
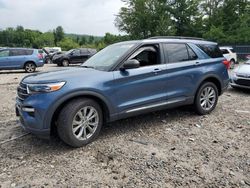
[(207, 98), (85, 123), (30, 67)]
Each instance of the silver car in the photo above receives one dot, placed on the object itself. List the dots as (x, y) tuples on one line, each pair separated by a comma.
[(240, 77)]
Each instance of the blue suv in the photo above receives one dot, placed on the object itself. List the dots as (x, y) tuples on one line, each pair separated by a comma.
[(20, 58), (122, 80)]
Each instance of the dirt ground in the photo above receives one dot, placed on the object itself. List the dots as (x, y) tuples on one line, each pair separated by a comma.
[(171, 148)]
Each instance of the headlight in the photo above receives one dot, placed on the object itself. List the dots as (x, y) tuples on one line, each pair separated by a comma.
[(44, 88)]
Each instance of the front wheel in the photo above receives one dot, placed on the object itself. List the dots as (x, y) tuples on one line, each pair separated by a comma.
[(206, 98), (30, 67), (80, 122)]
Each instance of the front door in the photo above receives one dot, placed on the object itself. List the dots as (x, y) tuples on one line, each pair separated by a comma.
[(5, 59), (144, 87)]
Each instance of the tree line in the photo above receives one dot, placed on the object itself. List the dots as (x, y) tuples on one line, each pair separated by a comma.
[(223, 21)]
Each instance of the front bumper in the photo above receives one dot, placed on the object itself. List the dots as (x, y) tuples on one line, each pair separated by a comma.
[(234, 82), (30, 120)]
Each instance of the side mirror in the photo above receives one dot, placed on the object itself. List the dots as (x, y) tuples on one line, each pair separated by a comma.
[(131, 64)]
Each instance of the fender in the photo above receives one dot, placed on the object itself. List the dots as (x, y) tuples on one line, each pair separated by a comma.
[(52, 109), (209, 76)]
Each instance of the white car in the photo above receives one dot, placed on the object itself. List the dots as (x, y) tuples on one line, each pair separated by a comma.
[(230, 55), (240, 77)]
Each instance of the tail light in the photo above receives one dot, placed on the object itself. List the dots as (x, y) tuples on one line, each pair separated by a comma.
[(226, 63), (40, 56)]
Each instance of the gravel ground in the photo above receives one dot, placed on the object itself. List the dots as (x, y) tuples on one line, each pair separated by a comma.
[(171, 148)]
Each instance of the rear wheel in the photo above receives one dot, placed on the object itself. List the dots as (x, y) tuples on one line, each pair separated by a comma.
[(206, 98), (30, 67), (80, 122)]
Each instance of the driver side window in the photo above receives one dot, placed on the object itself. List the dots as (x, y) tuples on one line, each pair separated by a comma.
[(4, 53), (147, 55)]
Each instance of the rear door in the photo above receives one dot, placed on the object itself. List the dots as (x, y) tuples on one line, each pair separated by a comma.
[(17, 57), (5, 59), (84, 53), (182, 70)]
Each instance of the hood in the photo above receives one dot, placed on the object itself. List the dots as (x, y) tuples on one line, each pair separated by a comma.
[(61, 75), (243, 69)]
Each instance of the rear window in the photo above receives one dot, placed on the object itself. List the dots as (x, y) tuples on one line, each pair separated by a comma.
[(224, 51), (232, 50), (211, 50), (178, 52)]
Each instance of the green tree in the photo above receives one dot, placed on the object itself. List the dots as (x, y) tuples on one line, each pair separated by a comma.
[(58, 34), (186, 16), (68, 43), (145, 18)]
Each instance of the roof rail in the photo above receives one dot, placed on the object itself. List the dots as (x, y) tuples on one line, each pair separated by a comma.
[(175, 37)]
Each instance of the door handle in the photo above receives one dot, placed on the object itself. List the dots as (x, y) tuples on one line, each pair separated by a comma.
[(197, 63), (156, 70)]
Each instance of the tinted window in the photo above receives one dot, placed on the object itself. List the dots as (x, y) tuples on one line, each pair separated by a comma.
[(20, 52), (224, 51), (28, 52), (84, 51), (232, 50), (211, 50), (4, 53), (192, 55), (177, 52), (76, 52)]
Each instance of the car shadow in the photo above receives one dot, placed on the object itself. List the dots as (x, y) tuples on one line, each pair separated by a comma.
[(17, 72), (109, 130), (239, 90)]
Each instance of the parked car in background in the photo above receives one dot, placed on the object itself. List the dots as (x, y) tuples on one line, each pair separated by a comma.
[(230, 54), (122, 80), (73, 56), (21, 58), (48, 55), (240, 77)]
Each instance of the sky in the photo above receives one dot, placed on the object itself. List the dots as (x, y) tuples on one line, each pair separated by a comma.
[(93, 17)]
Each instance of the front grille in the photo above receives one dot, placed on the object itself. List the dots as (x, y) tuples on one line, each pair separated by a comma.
[(22, 92), (242, 82)]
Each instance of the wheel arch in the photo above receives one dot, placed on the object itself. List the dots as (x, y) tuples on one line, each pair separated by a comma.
[(214, 79), (29, 61), (90, 95)]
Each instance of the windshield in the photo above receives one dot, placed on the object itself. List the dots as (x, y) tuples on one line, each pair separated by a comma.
[(68, 52), (106, 58)]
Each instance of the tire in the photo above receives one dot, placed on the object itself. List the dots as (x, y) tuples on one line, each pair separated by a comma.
[(73, 116), (202, 104), (232, 64), (30, 67), (65, 63)]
